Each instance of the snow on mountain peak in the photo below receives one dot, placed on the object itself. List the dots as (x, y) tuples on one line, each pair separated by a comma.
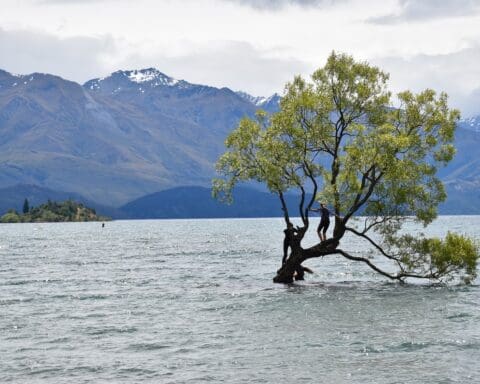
[(257, 100), (275, 97), (150, 75), (143, 78), (471, 123)]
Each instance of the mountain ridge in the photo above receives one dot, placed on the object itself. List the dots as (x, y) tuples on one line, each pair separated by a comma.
[(112, 147), (155, 133)]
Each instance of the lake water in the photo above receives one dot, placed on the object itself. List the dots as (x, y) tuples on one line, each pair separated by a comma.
[(192, 301)]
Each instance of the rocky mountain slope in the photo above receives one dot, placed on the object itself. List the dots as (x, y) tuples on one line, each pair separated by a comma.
[(116, 138)]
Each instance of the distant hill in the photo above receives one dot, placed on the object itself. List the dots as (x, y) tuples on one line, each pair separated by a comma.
[(197, 202), (461, 201)]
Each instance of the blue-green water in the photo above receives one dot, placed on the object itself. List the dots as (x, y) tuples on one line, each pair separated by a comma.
[(192, 301)]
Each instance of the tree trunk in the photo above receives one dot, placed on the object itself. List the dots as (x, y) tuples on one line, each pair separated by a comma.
[(293, 269)]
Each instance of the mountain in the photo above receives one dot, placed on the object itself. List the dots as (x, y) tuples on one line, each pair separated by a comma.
[(197, 202), (114, 138), (461, 201), (137, 132), (471, 123), (269, 104), (462, 175)]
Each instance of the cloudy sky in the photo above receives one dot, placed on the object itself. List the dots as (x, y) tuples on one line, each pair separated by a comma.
[(250, 45)]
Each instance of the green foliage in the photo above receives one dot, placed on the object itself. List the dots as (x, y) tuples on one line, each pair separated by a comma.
[(11, 217), (341, 136), (54, 212), (456, 255)]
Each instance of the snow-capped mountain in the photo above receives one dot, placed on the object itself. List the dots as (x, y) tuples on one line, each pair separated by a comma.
[(257, 100), (115, 138), (11, 81), (270, 104), (140, 79), (472, 123)]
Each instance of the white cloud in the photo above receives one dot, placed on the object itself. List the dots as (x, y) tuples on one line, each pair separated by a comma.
[(416, 10), (251, 45), (456, 73), (69, 2), (72, 58), (279, 4), (237, 65)]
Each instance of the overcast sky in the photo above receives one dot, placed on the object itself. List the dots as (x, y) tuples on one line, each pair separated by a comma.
[(250, 45)]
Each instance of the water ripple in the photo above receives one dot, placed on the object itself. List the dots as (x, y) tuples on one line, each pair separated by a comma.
[(189, 301)]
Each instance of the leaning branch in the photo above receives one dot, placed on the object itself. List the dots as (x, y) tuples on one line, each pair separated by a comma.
[(371, 241), (372, 266), (399, 276)]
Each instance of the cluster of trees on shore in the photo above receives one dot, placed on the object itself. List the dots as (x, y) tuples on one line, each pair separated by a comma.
[(51, 211)]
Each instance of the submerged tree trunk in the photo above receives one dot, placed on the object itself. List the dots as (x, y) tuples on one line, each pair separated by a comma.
[(292, 269)]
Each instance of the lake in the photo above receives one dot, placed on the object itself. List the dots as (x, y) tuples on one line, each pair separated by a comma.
[(192, 301)]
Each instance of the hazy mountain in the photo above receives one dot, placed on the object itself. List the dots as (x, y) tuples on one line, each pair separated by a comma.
[(197, 202)]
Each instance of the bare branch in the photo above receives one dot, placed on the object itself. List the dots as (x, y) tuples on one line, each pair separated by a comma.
[(371, 241), (310, 175), (365, 198), (284, 207), (372, 266), (302, 201)]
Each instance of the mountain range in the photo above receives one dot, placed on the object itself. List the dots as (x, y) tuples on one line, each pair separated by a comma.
[(114, 138), (136, 133)]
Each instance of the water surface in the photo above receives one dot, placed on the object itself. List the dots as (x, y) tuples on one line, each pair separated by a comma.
[(191, 301)]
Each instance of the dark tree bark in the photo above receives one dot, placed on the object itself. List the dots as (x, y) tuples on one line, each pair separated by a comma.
[(292, 269)]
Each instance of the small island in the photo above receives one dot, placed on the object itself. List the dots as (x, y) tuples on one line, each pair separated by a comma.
[(51, 211)]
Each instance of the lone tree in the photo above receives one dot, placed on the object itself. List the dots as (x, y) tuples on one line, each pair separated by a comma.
[(339, 139)]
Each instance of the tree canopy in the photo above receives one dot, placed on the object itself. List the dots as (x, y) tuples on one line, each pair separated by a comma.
[(340, 139)]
